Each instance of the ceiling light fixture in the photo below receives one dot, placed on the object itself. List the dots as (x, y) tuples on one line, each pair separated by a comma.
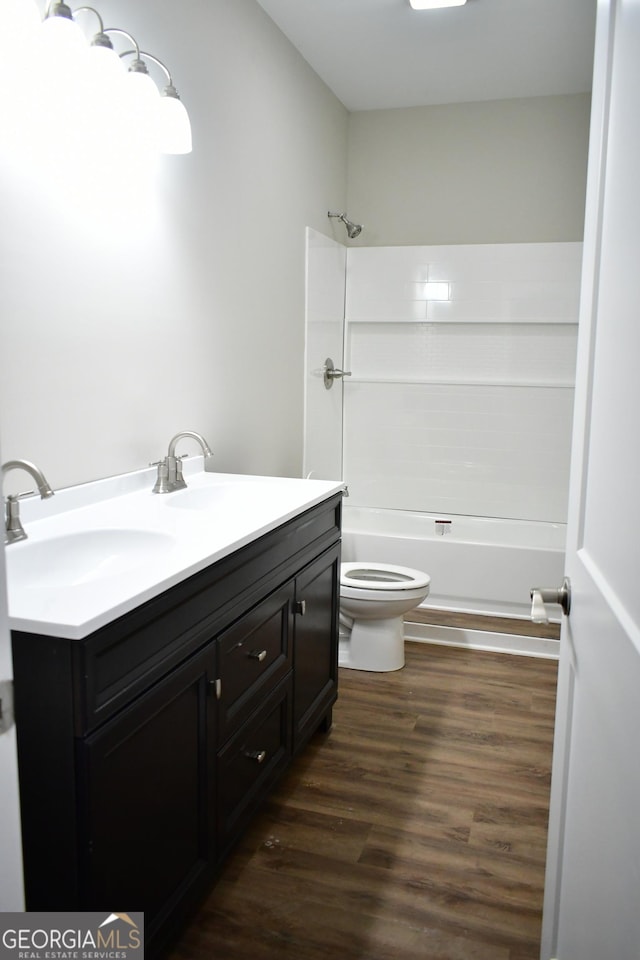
[(435, 4)]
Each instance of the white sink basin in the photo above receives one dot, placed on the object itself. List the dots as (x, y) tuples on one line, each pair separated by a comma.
[(201, 498), (76, 558), (99, 550), (245, 492)]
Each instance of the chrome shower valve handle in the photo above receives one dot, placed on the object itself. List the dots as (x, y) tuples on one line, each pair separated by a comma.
[(331, 373)]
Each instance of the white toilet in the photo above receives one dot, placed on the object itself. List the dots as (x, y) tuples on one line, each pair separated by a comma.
[(373, 600)]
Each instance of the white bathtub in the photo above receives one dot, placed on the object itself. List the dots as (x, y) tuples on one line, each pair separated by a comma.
[(479, 565)]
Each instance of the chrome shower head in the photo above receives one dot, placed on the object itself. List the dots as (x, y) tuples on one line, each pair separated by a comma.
[(353, 229)]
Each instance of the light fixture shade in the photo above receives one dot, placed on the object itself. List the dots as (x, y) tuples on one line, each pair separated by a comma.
[(434, 4), (106, 62), (63, 36), (142, 87), (143, 109), (175, 126)]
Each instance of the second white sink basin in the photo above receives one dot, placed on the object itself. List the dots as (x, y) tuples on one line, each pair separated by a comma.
[(243, 493), (76, 558), (200, 498)]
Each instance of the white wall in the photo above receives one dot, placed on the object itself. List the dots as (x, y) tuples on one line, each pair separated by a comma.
[(124, 323), (503, 171)]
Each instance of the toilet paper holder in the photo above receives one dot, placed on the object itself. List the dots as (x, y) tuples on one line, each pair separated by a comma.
[(543, 595)]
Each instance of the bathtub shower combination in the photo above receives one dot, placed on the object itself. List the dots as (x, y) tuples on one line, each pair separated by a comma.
[(477, 565), (457, 409)]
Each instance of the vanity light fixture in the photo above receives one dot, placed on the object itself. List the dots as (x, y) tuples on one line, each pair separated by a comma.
[(435, 4), (163, 115)]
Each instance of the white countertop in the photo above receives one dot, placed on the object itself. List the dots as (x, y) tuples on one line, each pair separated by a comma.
[(98, 551)]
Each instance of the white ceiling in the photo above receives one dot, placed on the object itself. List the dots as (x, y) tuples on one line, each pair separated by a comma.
[(378, 54)]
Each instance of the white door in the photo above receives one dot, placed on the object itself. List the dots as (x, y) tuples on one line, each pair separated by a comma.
[(592, 895)]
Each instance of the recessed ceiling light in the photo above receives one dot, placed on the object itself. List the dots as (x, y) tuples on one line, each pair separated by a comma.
[(434, 4)]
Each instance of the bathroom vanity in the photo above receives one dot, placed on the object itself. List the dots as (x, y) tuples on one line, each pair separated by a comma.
[(146, 745)]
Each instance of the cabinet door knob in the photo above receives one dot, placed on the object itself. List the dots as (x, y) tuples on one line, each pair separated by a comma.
[(258, 755), (257, 655), (300, 606)]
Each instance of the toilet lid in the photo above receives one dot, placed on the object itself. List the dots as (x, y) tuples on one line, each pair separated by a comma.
[(382, 576)]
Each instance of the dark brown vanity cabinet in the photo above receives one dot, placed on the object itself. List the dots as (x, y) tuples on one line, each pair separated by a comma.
[(145, 748)]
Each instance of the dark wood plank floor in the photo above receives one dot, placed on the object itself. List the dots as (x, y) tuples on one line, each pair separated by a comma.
[(414, 830)]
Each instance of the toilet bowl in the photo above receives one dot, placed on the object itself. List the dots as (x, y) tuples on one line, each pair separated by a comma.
[(373, 600)]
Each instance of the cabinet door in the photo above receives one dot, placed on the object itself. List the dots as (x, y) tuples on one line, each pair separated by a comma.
[(253, 656), (315, 651), (149, 792)]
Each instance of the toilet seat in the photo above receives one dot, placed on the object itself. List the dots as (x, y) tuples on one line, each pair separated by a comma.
[(381, 576)]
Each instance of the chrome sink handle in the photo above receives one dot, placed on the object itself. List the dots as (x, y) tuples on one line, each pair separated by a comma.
[(13, 529), (162, 480)]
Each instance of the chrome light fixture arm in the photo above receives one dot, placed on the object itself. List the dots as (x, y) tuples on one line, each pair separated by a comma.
[(100, 39), (123, 33)]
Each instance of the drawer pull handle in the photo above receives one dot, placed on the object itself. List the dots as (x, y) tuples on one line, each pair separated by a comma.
[(259, 655), (258, 755)]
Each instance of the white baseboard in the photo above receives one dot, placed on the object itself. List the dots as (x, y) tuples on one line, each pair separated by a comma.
[(482, 640)]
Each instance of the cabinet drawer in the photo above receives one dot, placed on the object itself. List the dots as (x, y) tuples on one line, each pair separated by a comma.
[(253, 656), (251, 762)]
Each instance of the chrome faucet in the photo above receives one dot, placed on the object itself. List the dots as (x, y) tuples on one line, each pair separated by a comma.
[(13, 529), (170, 476)]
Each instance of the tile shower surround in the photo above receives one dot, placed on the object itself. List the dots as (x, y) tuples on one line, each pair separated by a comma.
[(461, 405)]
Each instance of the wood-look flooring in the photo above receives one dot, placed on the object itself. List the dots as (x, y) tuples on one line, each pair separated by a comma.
[(415, 829)]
